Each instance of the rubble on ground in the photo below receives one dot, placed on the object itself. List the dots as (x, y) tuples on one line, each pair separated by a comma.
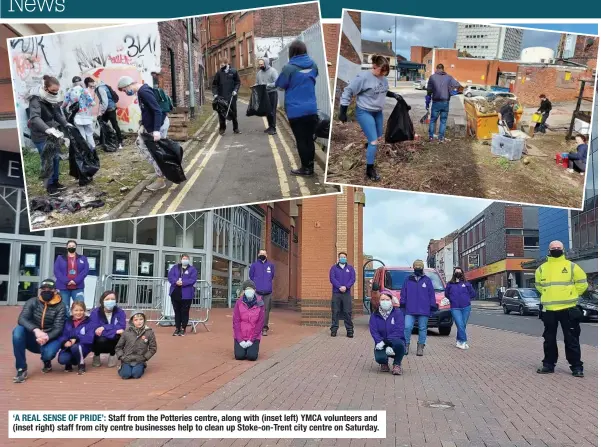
[(66, 203), (486, 106)]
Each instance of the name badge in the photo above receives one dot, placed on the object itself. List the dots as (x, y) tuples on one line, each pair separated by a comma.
[(72, 272)]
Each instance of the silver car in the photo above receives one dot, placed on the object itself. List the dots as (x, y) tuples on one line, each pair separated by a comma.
[(525, 301)]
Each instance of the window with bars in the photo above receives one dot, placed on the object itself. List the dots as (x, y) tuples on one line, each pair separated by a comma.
[(279, 236), (255, 230)]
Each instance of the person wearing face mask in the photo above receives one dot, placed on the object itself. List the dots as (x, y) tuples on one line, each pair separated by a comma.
[(70, 272), (108, 322), (248, 320), (387, 328), (418, 301), (39, 327), (342, 278), (262, 273), (371, 89), (226, 84), (561, 283), (136, 347), (267, 75), (108, 108), (182, 278), (154, 122), (76, 340), (45, 120), (460, 293)]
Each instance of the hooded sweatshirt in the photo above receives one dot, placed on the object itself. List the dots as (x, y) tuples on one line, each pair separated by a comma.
[(106, 99), (440, 86), (298, 80), (263, 274), (268, 76), (118, 321), (369, 89), (43, 114)]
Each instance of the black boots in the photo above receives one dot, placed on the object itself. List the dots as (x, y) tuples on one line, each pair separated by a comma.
[(371, 173)]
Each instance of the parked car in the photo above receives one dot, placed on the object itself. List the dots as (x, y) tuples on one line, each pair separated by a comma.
[(588, 303), (393, 278), (474, 90), (420, 84), (525, 301), (505, 95)]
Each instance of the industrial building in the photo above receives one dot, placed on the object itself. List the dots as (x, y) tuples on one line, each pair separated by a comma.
[(489, 42)]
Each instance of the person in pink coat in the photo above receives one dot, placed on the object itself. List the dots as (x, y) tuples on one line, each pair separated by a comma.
[(248, 319)]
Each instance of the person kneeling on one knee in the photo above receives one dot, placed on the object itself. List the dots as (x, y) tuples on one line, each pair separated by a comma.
[(248, 319), (387, 327), (136, 346)]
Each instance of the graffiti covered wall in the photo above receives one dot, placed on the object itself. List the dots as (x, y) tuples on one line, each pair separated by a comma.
[(105, 55)]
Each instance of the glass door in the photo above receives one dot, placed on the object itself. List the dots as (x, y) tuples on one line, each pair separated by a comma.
[(5, 252), (146, 289), (120, 267), (30, 256)]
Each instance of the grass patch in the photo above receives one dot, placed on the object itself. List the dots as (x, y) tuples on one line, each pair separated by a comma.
[(204, 113)]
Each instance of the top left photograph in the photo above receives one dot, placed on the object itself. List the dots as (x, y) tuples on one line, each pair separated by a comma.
[(129, 121)]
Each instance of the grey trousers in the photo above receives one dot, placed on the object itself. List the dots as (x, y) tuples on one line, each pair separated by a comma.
[(267, 301)]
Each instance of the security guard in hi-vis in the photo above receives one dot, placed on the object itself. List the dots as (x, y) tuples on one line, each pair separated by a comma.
[(561, 282)]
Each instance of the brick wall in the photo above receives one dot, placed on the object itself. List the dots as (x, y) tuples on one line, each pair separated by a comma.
[(331, 36), (419, 53), (356, 16), (515, 245), (514, 217), (285, 21), (586, 51), (244, 33)]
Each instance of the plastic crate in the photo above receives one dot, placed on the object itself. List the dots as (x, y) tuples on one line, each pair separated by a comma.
[(537, 118), (510, 148)]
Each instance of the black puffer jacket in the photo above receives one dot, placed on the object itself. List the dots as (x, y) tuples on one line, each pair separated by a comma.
[(49, 317), (136, 345), (225, 83), (43, 115)]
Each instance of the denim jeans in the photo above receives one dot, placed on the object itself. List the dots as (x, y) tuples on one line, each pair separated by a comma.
[(460, 316), (128, 371), (399, 351), (24, 340), (439, 109), (422, 324), (55, 166), (372, 125), (68, 295)]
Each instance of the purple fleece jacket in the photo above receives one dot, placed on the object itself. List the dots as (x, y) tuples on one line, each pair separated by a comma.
[(188, 276), (118, 321), (60, 272)]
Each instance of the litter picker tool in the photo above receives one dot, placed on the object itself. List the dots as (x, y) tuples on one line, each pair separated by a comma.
[(228, 107), (425, 119)]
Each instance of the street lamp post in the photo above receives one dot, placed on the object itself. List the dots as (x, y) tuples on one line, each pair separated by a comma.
[(396, 62)]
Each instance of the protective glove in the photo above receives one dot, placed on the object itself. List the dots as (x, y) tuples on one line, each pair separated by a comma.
[(234, 93), (242, 344), (397, 97), (214, 96), (389, 351), (156, 136), (342, 114), (428, 100), (249, 344), (54, 132), (380, 346), (70, 126), (67, 142)]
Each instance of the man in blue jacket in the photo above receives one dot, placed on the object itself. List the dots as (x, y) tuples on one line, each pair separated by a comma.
[(262, 273), (342, 277), (440, 86), (419, 302), (577, 160), (70, 272)]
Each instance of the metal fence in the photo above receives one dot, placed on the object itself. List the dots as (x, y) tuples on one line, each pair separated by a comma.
[(313, 38), (151, 296)]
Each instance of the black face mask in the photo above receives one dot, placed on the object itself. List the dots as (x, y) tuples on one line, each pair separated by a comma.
[(262, 257), (47, 295), (556, 253), (458, 275), (263, 68), (419, 272), (71, 249), (51, 93)]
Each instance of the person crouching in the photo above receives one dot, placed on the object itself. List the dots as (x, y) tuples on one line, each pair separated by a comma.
[(248, 319), (387, 327), (136, 346), (77, 339)]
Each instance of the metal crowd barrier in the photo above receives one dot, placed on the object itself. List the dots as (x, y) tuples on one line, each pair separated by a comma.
[(151, 296)]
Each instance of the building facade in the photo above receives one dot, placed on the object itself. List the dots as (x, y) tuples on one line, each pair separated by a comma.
[(370, 48), (489, 42), (350, 57)]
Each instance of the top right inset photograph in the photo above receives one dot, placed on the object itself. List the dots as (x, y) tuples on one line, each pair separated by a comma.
[(464, 109)]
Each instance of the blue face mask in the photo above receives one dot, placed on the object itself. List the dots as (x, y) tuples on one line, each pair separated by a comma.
[(129, 92), (109, 305), (185, 262), (342, 260), (249, 293)]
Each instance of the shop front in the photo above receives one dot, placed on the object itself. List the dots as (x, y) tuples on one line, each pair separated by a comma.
[(502, 274)]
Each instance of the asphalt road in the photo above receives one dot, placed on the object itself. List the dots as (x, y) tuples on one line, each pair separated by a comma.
[(236, 169), (530, 325)]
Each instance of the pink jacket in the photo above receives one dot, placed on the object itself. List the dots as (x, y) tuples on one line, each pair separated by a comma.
[(248, 323)]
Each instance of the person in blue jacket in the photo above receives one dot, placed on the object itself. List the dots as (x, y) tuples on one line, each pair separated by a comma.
[(387, 328), (262, 273), (108, 322), (70, 272), (419, 302), (182, 278), (298, 80), (577, 160), (76, 340), (460, 293), (342, 278)]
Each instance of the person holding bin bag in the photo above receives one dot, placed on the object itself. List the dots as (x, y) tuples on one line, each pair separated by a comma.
[(182, 278)]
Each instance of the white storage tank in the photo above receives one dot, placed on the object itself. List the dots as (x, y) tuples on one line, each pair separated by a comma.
[(537, 55)]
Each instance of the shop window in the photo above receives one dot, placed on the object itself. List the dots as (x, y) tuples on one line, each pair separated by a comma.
[(220, 281), (195, 230), (123, 232), (8, 210), (531, 242), (173, 233), (146, 233), (93, 232), (255, 231), (66, 233), (221, 232)]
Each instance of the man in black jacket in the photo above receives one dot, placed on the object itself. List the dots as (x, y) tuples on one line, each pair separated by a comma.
[(226, 84), (545, 109), (39, 327)]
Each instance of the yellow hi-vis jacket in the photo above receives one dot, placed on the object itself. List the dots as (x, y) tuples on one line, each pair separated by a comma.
[(560, 282)]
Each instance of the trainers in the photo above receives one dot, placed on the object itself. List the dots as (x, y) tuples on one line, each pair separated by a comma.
[(120, 146), (349, 335), (68, 368), (303, 172), (182, 332), (271, 132), (21, 376), (384, 368), (176, 332), (112, 361), (267, 130), (264, 332), (47, 367), (578, 373), (237, 131), (396, 370), (333, 333), (466, 346), (221, 131), (461, 345), (52, 190), (81, 369), (545, 370), (96, 361), (59, 187), (159, 183), (420, 349), (430, 139)]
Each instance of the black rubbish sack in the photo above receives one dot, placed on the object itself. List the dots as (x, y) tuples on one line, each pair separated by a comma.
[(83, 162), (259, 104), (323, 127), (221, 106), (399, 126), (168, 154), (52, 149), (108, 137)]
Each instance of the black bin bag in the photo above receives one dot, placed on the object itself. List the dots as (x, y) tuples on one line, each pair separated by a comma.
[(259, 104), (322, 130), (168, 155), (52, 149), (83, 162), (399, 126), (222, 107), (108, 137)]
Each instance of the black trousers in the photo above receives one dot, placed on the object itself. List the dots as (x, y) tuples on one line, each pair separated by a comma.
[(111, 116), (575, 163), (181, 309), (103, 345), (303, 129), (234, 112), (271, 118), (251, 353), (342, 307), (570, 325)]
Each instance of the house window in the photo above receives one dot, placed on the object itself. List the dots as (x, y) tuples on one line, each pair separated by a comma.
[(241, 55), (233, 25), (227, 27), (249, 45)]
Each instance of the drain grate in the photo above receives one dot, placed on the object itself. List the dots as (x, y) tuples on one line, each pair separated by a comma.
[(438, 405)]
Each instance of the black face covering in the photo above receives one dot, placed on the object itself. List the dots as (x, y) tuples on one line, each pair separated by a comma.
[(47, 295), (262, 257), (556, 253), (419, 272), (263, 67), (71, 249)]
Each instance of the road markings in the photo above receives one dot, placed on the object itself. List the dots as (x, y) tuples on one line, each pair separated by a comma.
[(178, 199), (173, 187), (282, 175)]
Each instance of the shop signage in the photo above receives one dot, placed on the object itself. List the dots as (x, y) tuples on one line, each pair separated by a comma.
[(11, 174), (502, 266)]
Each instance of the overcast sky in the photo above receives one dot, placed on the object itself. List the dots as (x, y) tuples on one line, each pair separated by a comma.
[(430, 32), (398, 225)]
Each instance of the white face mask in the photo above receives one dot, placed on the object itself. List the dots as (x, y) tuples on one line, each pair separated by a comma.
[(386, 305)]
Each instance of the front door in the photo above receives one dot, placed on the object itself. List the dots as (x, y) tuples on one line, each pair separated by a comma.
[(28, 262), (134, 277)]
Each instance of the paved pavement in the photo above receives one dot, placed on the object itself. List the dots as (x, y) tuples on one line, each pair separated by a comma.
[(235, 169)]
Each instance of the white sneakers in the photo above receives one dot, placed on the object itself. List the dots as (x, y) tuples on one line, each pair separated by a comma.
[(462, 345)]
